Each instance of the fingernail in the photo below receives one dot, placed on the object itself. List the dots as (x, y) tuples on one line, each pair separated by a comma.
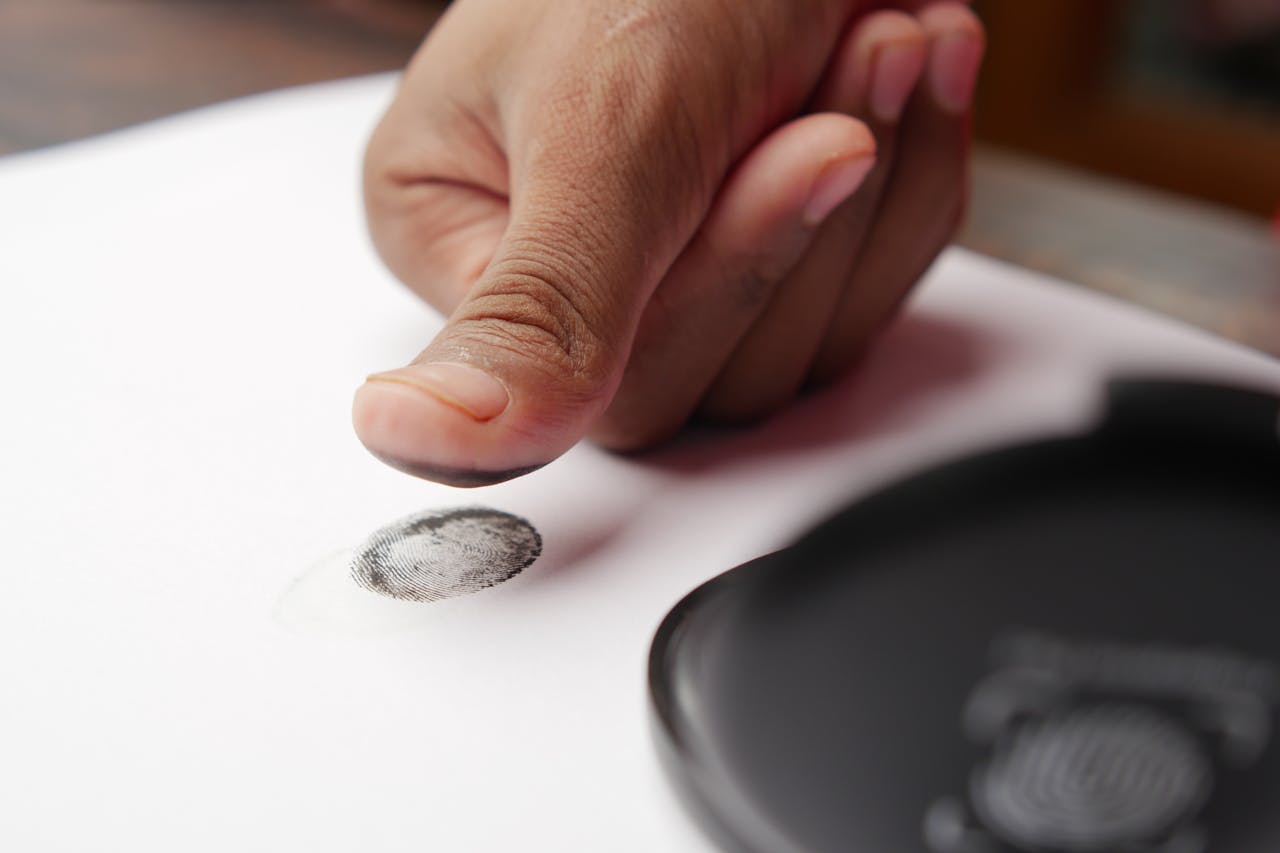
[(834, 185), (894, 72), (953, 70), (465, 388)]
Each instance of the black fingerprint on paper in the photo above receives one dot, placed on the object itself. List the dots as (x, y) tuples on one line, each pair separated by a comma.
[(441, 554)]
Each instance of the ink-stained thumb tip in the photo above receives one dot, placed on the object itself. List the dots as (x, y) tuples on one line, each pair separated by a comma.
[(415, 431)]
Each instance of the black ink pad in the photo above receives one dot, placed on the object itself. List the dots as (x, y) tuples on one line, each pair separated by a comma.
[(442, 554), (1064, 647)]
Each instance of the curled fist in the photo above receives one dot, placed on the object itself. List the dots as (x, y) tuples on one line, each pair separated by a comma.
[(637, 212)]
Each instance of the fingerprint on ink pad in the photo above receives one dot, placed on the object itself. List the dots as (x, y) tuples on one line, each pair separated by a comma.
[(438, 554)]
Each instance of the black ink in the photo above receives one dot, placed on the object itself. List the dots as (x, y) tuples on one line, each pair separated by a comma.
[(461, 477), (441, 554)]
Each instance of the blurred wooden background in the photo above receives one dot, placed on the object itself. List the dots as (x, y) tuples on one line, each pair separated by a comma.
[(72, 68), (1050, 102), (1065, 80)]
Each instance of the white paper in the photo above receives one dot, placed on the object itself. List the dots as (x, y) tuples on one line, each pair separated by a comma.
[(185, 310)]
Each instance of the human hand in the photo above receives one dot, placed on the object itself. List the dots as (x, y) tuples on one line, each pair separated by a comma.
[(638, 212)]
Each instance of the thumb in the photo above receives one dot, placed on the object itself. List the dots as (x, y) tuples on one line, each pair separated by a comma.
[(534, 352)]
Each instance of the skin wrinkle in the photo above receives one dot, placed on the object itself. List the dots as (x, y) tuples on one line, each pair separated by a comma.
[(565, 344), (582, 226), (526, 323), (567, 276), (483, 166), (498, 337)]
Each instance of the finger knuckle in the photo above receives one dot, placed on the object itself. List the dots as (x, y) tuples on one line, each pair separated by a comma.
[(754, 285), (756, 275)]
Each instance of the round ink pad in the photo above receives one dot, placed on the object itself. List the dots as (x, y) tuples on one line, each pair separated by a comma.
[(1066, 646)]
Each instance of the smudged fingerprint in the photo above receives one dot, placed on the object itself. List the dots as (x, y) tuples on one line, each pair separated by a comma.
[(441, 554)]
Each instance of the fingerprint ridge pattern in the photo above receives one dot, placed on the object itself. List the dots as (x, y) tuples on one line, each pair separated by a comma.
[(438, 554)]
